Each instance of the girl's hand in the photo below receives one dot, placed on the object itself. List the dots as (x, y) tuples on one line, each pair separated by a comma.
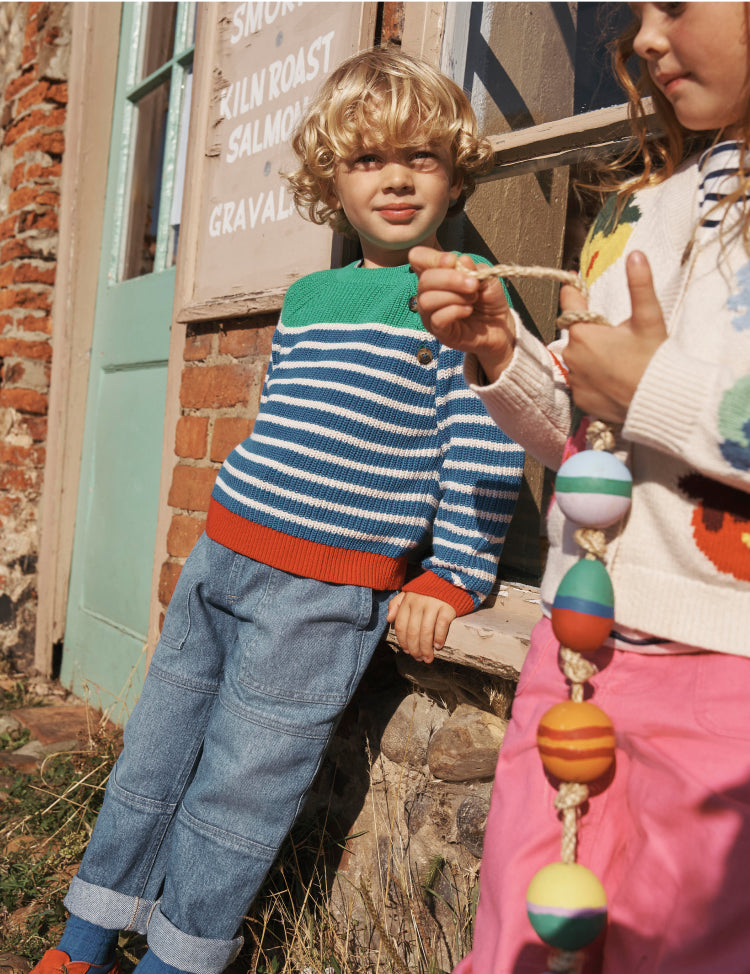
[(463, 312), (606, 364)]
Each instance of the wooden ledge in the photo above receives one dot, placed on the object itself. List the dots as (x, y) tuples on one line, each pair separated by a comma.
[(495, 638)]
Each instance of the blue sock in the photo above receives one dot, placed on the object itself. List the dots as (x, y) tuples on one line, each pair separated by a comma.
[(150, 964), (88, 942)]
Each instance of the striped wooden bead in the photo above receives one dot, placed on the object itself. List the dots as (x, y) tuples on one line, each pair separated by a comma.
[(576, 741), (593, 488), (567, 905), (584, 606)]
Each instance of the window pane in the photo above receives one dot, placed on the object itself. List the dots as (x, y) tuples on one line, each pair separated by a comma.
[(595, 84), (145, 188), (158, 36), (179, 178)]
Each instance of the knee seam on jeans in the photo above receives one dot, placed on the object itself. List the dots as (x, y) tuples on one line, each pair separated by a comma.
[(201, 686), (133, 800), (261, 720), (230, 839)]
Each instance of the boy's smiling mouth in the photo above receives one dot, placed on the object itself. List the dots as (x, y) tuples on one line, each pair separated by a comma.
[(399, 212)]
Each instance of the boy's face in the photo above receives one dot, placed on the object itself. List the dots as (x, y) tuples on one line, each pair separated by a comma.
[(395, 198)]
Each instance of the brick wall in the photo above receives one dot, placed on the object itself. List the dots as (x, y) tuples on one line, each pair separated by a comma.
[(34, 49), (222, 377)]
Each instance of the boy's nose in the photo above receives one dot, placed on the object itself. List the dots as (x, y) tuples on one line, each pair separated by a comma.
[(397, 176)]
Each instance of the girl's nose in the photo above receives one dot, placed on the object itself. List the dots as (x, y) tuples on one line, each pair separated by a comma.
[(650, 42)]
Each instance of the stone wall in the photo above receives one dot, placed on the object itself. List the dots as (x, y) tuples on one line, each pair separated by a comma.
[(34, 51)]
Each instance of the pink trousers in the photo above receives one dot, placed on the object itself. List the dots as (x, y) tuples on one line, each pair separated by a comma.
[(669, 837)]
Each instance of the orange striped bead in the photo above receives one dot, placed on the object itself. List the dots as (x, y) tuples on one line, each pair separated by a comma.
[(576, 741)]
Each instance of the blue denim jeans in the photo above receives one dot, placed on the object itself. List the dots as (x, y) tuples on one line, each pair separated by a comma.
[(252, 671)]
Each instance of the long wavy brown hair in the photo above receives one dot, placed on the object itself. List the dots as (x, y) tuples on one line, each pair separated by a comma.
[(658, 149)]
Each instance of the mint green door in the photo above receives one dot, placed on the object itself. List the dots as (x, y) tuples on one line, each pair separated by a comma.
[(113, 549)]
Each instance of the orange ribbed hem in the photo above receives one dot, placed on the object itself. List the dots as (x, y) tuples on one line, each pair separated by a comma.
[(306, 558), (431, 584)]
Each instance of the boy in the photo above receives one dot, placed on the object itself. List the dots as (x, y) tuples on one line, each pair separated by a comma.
[(367, 442)]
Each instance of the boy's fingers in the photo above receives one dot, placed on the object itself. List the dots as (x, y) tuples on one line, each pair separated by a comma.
[(646, 314), (571, 299), (424, 258)]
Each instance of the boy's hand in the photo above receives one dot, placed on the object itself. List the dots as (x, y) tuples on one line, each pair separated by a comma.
[(463, 312), (421, 623), (606, 364)]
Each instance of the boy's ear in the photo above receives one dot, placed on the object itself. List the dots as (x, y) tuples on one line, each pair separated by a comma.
[(456, 187)]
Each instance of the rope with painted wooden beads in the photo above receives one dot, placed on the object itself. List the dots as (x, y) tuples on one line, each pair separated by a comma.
[(576, 668)]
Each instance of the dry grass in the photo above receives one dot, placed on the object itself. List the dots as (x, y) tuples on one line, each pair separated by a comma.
[(304, 921)]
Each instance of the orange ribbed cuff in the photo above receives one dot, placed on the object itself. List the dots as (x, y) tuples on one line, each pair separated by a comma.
[(430, 584), (306, 558)]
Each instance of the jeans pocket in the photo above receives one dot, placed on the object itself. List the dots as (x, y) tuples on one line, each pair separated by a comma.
[(176, 628), (306, 641)]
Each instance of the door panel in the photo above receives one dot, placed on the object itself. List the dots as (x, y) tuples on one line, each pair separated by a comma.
[(110, 584)]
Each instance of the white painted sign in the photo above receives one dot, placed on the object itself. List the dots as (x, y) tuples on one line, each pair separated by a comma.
[(269, 60)]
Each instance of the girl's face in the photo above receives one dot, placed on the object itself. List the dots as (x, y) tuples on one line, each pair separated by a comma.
[(697, 57)]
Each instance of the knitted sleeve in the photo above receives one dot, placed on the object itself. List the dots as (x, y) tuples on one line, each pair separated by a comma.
[(480, 477), (530, 401)]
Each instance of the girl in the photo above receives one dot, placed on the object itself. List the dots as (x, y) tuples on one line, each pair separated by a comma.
[(668, 258)]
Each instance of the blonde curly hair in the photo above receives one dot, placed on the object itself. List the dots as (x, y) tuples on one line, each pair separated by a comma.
[(399, 100)]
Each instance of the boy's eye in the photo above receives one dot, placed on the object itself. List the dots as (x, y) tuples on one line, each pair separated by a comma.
[(423, 159), (366, 160)]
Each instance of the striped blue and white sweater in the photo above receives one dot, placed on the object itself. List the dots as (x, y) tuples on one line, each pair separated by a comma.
[(367, 442)]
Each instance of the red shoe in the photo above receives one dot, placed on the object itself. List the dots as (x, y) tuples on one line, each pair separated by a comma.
[(58, 962)]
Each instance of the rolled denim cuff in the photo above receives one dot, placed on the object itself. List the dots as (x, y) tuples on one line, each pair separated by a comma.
[(108, 908), (196, 955)]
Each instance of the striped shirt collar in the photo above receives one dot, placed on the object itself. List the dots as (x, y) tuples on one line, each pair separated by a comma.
[(718, 166)]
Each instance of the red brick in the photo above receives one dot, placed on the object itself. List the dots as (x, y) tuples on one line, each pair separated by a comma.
[(36, 427), (38, 323), (24, 400), (197, 347), (22, 197), (34, 96), (211, 387), (239, 342), (34, 274), (168, 576), (13, 454), (191, 487), (31, 220), (8, 227), (19, 83), (21, 349), (191, 437), (50, 142), (13, 479), (59, 93), (18, 175), (48, 198), (29, 54), (40, 118), (183, 532), (6, 275), (25, 298), (40, 173), (13, 250), (228, 432)]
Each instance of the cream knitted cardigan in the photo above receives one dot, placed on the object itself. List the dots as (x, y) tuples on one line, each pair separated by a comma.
[(680, 565)]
